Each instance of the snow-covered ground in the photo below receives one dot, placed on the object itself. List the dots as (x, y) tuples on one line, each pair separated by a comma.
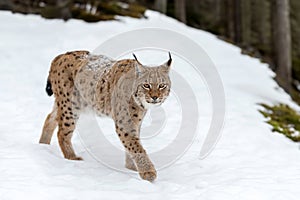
[(249, 162)]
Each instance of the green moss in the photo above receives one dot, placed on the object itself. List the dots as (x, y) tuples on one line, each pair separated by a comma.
[(283, 119)]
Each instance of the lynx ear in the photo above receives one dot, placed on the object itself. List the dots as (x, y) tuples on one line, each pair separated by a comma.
[(138, 66), (167, 64), (136, 59)]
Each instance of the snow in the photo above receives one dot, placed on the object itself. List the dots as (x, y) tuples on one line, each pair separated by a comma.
[(249, 162)]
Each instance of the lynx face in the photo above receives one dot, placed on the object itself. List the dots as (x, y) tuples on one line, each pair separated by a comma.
[(153, 84)]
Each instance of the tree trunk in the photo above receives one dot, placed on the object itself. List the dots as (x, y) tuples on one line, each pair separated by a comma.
[(237, 22), (180, 10), (282, 42), (218, 11), (229, 14), (295, 32), (161, 6), (246, 22), (261, 26), (263, 23)]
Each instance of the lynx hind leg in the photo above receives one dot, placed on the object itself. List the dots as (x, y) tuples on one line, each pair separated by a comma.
[(65, 133), (67, 117), (49, 126)]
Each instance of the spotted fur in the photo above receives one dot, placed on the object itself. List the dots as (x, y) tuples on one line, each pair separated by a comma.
[(122, 90)]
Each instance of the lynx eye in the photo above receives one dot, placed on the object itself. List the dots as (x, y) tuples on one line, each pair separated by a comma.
[(146, 86), (162, 86)]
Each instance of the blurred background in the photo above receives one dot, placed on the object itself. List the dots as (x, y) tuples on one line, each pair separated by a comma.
[(266, 29)]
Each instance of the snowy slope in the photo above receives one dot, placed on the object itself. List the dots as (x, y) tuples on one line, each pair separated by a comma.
[(249, 161)]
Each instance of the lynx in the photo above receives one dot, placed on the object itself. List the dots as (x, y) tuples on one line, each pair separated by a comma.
[(123, 90)]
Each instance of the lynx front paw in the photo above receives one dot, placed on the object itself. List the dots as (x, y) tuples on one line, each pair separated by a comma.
[(149, 176)]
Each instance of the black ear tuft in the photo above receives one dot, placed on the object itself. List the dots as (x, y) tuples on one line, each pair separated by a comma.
[(135, 57), (170, 60)]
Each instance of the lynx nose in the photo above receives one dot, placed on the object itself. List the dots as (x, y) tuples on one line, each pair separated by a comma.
[(154, 98)]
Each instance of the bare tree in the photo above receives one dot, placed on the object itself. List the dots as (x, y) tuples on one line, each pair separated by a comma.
[(180, 10), (282, 42), (237, 21), (245, 22), (229, 19)]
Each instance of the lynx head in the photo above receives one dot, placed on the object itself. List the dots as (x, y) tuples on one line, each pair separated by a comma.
[(152, 84)]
